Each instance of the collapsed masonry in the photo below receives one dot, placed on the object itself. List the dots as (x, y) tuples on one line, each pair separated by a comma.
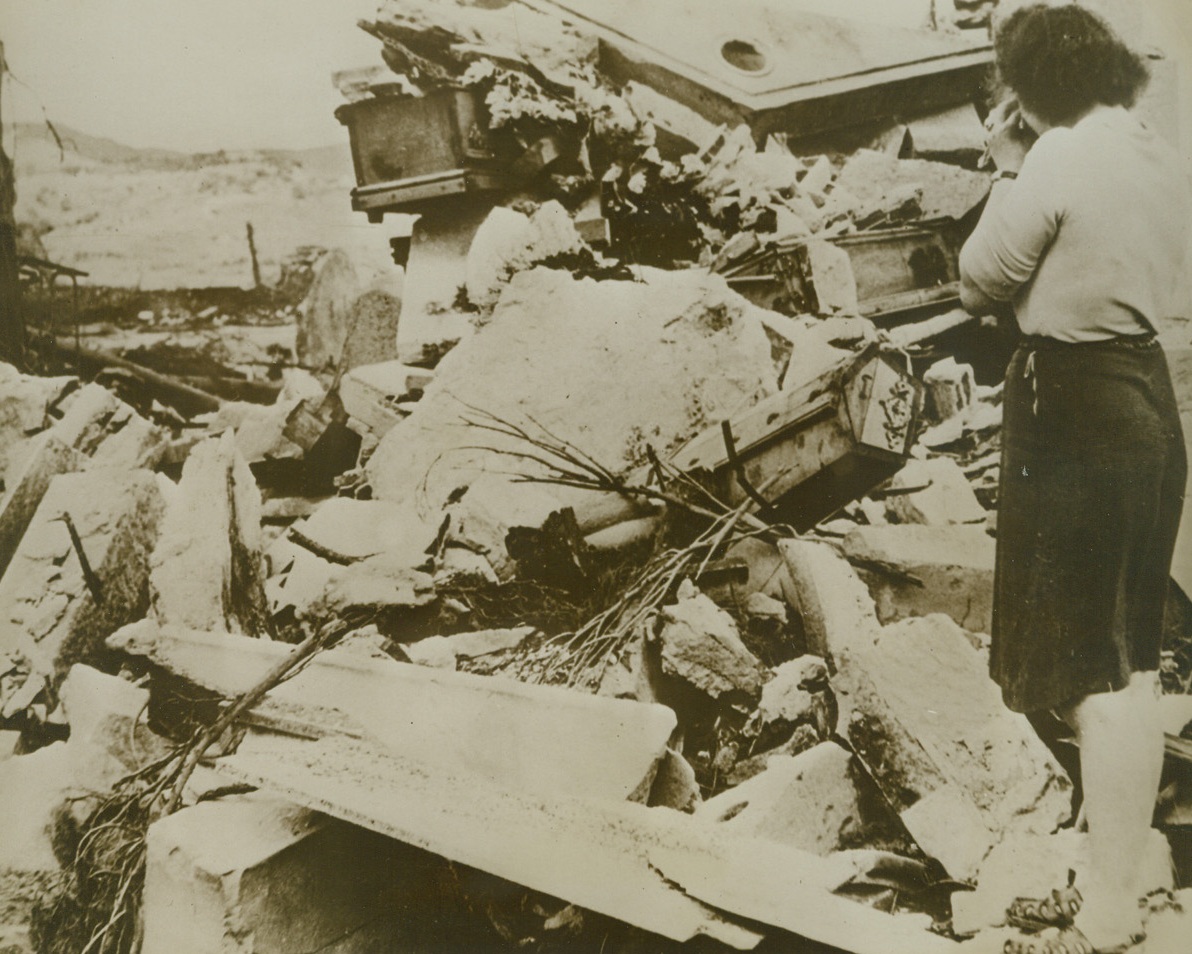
[(635, 591)]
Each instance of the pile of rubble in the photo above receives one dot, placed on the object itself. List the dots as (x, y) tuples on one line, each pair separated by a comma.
[(634, 590)]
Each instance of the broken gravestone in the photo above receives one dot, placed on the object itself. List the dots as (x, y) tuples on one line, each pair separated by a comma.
[(324, 315)]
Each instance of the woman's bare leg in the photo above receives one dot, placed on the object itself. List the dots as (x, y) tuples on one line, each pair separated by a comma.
[(1121, 758)]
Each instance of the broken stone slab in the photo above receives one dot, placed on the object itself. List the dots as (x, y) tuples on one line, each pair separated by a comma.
[(107, 431), (493, 505), (28, 477), (323, 317), (934, 492), (808, 801), (25, 404), (32, 786), (352, 552), (356, 529), (920, 711), (917, 570), (621, 846), (670, 117), (261, 430), (109, 738), (675, 785), (832, 278), (256, 875), (371, 335), (871, 179), (53, 612), (775, 884), (509, 242), (207, 568), (1033, 865), (590, 851), (444, 652), (370, 393), (687, 327), (700, 645), (929, 680), (796, 694), (954, 136), (828, 595), (528, 737), (951, 388)]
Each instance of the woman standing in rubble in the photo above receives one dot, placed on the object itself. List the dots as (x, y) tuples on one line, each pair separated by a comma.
[(1084, 233)]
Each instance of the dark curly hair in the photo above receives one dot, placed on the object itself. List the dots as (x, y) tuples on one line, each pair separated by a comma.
[(1063, 60)]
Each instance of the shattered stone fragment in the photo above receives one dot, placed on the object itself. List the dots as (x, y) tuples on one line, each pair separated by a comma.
[(700, 645), (108, 432), (933, 492), (257, 875), (675, 785), (950, 388), (323, 318), (1032, 865), (872, 180), (918, 706), (795, 694), (207, 568), (808, 801), (444, 652), (917, 570), (508, 242), (81, 570)]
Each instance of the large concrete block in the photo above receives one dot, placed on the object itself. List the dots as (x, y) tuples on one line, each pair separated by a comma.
[(808, 800), (694, 353), (207, 566), (917, 570), (49, 614), (255, 875)]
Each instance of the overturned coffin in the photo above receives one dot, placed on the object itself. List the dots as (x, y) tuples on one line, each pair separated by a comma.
[(895, 271), (803, 453), (779, 69), (409, 150)]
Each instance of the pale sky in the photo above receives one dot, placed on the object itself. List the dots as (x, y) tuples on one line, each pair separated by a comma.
[(193, 75), (199, 75)]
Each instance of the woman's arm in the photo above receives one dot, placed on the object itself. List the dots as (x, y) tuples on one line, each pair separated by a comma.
[(1020, 218)]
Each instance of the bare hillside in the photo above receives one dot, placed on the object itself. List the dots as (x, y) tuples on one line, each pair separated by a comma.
[(153, 218)]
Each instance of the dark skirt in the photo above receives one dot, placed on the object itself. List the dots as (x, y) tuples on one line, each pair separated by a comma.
[(1092, 485)]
